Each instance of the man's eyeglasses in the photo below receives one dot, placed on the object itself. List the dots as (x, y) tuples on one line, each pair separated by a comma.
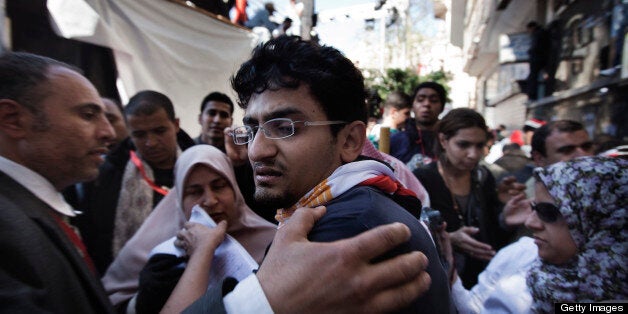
[(274, 129), (568, 149), (547, 212)]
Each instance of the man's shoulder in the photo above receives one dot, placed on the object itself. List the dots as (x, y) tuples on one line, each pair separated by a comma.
[(362, 208), (361, 198)]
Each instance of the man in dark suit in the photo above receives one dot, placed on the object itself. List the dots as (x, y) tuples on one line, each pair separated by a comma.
[(53, 133)]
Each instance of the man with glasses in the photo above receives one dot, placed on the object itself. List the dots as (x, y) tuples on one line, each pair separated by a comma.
[(305, 127), (414, 145)]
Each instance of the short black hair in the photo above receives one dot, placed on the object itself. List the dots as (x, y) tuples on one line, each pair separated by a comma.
[(22, 79), (440, 91), (398, 100), (289, 61), (147, 102), (541, 134), (217, 96), (21, 75), (510, 147), (115, 102)]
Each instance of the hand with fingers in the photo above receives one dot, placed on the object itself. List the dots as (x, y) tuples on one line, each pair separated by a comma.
[(196, 237), (509, 188), (200, 243), (446, 250), (238, 154), (517, 211), (344, 279), (462, 240)]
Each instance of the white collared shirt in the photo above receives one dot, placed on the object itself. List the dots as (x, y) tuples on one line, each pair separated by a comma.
[(247, 297), (38, 185)]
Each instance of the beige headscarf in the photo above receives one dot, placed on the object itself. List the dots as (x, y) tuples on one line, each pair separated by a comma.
[(252, 231)]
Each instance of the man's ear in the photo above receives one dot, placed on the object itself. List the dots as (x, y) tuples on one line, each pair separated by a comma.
[(13, 118), (176, 125), (200, 119), (352, 139)]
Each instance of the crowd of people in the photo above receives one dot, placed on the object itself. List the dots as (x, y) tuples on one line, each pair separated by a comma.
[(101, 202)]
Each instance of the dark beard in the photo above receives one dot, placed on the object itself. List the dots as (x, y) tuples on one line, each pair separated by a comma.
[(267, 200)]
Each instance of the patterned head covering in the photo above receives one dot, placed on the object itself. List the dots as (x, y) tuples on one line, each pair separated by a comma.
[(592, 195)]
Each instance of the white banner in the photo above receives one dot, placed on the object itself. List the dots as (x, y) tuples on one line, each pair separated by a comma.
[(161, 46)]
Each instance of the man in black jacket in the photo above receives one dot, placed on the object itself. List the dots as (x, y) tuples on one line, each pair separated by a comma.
[(133, 179)]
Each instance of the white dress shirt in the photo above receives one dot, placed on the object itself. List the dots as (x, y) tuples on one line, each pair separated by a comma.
[(247, 297), (38, 185)]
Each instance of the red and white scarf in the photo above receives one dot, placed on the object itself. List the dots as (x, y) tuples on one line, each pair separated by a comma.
[(364, 172)]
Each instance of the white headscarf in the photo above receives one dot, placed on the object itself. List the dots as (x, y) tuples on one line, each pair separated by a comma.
[(252, 231)]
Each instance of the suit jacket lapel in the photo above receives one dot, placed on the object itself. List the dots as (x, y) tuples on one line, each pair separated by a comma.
[(41, 213)]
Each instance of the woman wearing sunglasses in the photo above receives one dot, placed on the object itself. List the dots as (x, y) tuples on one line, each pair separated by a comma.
[(578, 249)]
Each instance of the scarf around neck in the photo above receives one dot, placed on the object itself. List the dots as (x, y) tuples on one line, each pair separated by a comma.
[(364, 173), (135, 202)]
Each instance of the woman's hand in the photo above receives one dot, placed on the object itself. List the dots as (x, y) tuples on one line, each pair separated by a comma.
[(516, 211), (446, 250), (461, 239), (198, 238), (199, 242), (509, 188)]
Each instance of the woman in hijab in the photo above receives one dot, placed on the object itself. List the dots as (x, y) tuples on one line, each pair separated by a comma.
[(196, 163), (578, 249), (579, 225)]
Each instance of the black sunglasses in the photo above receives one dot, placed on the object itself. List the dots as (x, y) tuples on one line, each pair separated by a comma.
[(547, 212), (569, 149)]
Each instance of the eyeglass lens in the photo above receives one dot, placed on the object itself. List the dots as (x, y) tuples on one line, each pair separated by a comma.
[(547, 212), (273, 129)]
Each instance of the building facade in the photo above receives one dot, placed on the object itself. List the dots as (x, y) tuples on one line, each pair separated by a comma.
[(585, 40)]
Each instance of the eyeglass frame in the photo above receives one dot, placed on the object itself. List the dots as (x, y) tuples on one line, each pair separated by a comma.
[(547, 212), (251, 131)]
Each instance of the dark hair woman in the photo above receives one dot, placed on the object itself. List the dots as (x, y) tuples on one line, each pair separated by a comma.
[(465, 192)]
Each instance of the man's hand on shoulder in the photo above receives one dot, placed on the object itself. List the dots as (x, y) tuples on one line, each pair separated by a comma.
[(300, 276)]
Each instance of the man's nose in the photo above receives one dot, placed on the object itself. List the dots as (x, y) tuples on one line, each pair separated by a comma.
[(261, 147)]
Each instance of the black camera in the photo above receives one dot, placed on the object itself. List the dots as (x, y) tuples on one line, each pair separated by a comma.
[(431, 217)]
